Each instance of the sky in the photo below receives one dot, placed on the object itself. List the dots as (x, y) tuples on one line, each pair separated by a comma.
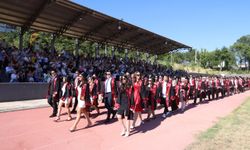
[(208, 24)]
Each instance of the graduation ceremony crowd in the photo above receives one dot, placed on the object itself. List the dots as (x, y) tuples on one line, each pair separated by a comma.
[(128, 88)]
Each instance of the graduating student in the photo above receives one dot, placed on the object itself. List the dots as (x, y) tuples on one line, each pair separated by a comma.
[(83, 102), (240, 85), (202, 88), (210, 88), (110, 95), (66, 98), (223, 87), (166, 86), (197, 90), (54, 92), (76, 82), (124, 111), (218, 87), (184, 93), (174, 94), (93, 94), (227, 85), (192, 87), (98, 87), (159, 91), (136, 95), (152, 98), (145, 93), (214, 88), (236, 84), (231, 85), (248, 83)]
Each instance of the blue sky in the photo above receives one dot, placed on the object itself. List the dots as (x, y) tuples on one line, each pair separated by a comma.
[(206, 24)]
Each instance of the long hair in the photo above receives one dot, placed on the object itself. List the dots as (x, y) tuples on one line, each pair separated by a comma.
[(124, 86)]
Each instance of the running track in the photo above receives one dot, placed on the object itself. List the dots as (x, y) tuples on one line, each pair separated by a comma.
[(32, 129)]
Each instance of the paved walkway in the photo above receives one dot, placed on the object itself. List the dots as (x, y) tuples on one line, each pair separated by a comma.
[(32, 129), (22, 105)]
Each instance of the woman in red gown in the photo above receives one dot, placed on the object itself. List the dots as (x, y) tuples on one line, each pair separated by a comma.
[(152, 98), (83, 102), (137, 99), (93, 94), (124, 101)]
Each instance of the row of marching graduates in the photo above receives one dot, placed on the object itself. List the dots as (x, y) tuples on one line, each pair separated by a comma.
[(133, 94)]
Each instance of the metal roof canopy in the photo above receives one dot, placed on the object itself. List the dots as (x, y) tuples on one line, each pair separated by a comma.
[(63, 17)]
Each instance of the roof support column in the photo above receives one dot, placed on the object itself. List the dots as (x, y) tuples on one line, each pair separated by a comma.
[(21, 38), (77, 44)]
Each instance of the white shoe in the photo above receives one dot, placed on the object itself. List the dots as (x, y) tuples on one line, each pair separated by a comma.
[(127, 134), (168, 113), (164, 116), (123, 133)]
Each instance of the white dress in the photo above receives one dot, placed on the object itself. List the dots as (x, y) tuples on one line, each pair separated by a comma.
[(66, 101), (81, 103)]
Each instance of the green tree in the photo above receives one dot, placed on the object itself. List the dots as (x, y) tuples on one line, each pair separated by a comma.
[(242, 49)]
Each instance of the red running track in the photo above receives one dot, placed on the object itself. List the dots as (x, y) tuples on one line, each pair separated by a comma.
[(32, 129)]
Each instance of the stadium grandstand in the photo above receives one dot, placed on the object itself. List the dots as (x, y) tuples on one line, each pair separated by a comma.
[(66, 18)]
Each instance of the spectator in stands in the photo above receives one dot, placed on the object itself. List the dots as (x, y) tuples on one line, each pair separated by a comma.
[(13, 76), (1, 58), (34, 64)]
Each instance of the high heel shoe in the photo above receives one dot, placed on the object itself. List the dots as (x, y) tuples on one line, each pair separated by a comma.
[(123, 132), (72, 130), (126, 134), (57, 119), (69, 118)]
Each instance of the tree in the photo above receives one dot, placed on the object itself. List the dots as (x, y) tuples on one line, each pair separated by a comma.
[(242, 49)]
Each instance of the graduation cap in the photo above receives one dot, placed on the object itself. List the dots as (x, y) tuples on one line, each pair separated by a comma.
[(84, 75)]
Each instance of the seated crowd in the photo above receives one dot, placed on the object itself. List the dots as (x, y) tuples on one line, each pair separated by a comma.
[(29, 65)]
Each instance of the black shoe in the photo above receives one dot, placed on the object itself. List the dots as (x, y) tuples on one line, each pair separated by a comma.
[(73, 112), (53, 115), (113, 114), (107, 121)]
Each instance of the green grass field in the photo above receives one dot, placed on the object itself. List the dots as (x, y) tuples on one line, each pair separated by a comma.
[(230, 133)]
